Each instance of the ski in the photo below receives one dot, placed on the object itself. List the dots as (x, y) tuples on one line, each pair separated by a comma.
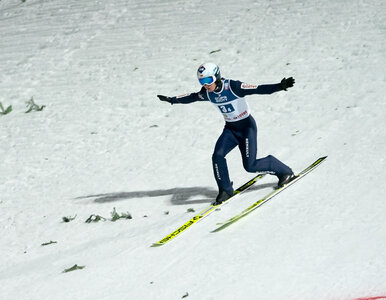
[(206, 212), (268, 196)]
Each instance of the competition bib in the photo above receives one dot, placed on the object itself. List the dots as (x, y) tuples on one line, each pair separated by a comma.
[(231, 106)]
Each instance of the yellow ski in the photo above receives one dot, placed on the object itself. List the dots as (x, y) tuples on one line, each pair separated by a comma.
[(206, 212), (268, 196)]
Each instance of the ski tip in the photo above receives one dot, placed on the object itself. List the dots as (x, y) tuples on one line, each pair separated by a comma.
[(156, 245), (323, 157)]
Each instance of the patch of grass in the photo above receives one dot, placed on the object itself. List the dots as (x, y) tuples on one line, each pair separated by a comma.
[(49, 243), (68, 219), (214, 51), (32, 106), (95, 218), (115, 216), (5, 111), (74, 268)]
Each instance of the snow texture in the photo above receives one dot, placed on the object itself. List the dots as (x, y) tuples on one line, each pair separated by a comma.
[(104, 140)]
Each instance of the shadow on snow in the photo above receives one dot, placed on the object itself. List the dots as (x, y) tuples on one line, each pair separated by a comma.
[(179, 196)]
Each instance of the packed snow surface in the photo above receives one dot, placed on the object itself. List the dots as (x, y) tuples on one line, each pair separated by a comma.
[(105, 141)]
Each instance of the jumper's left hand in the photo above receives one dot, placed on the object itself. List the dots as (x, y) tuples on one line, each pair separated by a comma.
[(287, 83), (165, 98)]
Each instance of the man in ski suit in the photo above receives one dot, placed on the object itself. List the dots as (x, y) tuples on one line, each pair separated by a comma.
[(240, 127)]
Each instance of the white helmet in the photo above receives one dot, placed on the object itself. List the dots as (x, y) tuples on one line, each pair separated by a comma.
[(208, 73)]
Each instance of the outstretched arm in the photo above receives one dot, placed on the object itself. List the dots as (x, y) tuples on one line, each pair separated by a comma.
[(185, 99), (243, 89)]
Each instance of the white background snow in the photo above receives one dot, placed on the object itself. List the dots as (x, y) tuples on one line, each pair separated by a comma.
[(104, 140)]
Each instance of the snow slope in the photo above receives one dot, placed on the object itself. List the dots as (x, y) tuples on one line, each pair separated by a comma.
[(104, 141)]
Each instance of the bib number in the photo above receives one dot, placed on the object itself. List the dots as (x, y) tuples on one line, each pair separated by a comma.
[(228, 108)]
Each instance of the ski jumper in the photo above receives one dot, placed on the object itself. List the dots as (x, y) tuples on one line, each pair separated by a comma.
[(240, 129)]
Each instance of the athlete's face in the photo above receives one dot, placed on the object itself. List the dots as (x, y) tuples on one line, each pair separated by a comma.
[(210, 87)]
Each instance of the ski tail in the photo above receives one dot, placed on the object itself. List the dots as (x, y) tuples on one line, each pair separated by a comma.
[(206, 212)]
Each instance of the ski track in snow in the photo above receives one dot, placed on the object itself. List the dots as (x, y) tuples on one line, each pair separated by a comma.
[(104, 141)]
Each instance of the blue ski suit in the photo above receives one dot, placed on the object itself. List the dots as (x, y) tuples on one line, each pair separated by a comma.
[(240, 129)]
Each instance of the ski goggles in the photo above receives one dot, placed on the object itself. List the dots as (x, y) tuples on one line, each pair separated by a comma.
[(207, 80)]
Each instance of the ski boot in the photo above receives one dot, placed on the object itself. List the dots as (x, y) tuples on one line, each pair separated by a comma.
[(221, 197), (285, 179)]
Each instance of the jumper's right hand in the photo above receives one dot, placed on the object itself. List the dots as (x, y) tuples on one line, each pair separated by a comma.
[(164, 98)]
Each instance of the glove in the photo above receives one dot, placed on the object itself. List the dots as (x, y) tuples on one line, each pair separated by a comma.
[(287, 83), (164, 98)]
